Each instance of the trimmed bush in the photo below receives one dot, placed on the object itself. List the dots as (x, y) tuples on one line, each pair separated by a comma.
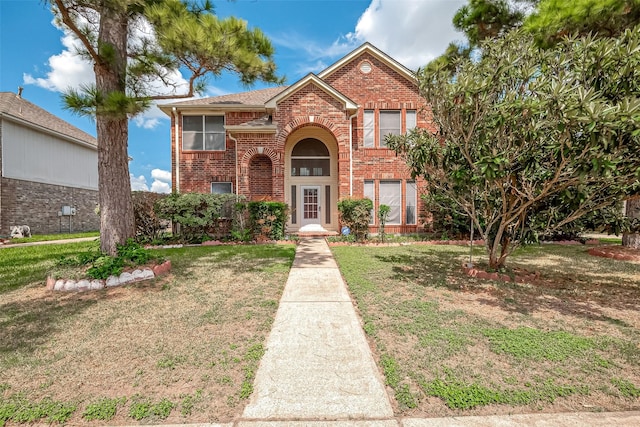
[(198, 215), (268, 219), (356, 214)]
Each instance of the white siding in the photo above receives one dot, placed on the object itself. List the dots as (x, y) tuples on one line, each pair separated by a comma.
[(34, 156)]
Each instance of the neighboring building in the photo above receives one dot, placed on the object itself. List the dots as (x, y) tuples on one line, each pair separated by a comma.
[(48, 171), (308, 144)]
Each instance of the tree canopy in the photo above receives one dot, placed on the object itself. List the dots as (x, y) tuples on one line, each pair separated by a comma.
[(139, 50), (530, 139)]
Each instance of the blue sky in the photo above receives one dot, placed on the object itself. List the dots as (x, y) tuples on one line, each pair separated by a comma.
[(308, 36)]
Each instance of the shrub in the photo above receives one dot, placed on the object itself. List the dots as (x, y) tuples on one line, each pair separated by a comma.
[(383, 214), (356, 214), (149, 225), (197, 214), (268, 219)]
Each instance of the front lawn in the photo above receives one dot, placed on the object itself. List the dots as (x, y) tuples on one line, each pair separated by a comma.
[(183, 348), (449, 344)]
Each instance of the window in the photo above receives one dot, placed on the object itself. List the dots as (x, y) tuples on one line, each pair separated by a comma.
[(411, 202), (370, 193), (221, 188), (369, 128), (389, 124), (310, 157), (203, 133), (411, 120), (391, 195)]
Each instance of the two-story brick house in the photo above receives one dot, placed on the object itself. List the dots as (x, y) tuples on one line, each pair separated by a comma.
[(308, 144)]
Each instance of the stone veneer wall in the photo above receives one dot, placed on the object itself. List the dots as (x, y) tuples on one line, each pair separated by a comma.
[(37, 205)]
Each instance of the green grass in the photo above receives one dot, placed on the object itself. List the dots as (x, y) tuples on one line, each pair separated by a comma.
[(25, 265), (192, 339), (50, 237), (474, 343)]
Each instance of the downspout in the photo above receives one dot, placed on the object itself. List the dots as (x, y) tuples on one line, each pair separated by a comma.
[(237, 174), (174, 112), (351, 152)]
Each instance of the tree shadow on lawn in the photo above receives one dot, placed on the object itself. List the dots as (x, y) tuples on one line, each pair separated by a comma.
[(27, 323), (560, 294)]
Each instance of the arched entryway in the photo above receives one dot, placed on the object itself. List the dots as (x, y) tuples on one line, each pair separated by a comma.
[(312, 179), (260, 177)]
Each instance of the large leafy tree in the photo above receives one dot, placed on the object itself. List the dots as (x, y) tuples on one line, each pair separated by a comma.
[(137, 46), (527, 133)]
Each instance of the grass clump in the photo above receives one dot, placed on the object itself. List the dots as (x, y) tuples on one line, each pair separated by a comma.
[(19, 409), (103, 409), (626, 388), (142, 408), (528, 343)]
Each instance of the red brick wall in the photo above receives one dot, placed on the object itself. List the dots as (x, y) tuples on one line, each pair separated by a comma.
[(260, 178), (381, 89)]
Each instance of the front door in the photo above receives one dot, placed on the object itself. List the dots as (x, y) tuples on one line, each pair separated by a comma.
[(310, 204)]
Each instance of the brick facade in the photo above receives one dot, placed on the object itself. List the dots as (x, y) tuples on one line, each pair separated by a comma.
[(328, 108), (37, 205)]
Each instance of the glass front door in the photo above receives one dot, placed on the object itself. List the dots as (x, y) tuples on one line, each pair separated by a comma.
[(310, 205)]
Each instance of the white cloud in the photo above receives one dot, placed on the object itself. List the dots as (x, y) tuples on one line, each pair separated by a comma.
[(411, 31), (161, 175), (160, 187), (139, 183), (69, 70), (161, 182)]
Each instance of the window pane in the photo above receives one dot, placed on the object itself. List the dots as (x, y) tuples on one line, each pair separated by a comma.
[(294, 204), (215, 141), (391, 195), (369, 128), (411, 120), (192, 141), (221, 187), (192, 123), (370, 193), (214, 124), (310, 167), (389, 124), (310, 148), (411, 202)]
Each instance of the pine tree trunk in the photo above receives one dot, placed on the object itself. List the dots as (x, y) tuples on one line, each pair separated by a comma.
[(116, 207), (632, 240)]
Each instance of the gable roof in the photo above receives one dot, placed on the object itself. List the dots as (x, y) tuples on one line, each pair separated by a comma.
[(372, 50), (19, 110), (313, 79)]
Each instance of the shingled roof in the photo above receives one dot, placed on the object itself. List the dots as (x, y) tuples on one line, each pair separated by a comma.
[(244, 99), (19, 109)]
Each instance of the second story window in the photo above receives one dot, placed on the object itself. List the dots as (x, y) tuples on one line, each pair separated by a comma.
[(412, 122), (389, 124), (203, 133)]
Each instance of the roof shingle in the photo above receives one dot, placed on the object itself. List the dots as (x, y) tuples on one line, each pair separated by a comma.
[(12, 105)]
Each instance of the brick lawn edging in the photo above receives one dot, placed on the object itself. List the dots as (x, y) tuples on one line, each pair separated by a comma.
[(95, 284), (616, 252)]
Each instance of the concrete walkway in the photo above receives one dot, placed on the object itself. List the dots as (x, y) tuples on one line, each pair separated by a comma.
[(318, 364), (318, 369)]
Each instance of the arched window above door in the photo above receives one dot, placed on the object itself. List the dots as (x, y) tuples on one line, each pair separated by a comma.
[(310, 157)]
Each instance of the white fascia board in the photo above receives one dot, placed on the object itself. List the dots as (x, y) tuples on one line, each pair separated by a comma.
[(369, 48), (311, 78)]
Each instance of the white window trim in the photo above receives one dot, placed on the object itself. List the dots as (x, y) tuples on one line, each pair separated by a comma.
[(203, 116)]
